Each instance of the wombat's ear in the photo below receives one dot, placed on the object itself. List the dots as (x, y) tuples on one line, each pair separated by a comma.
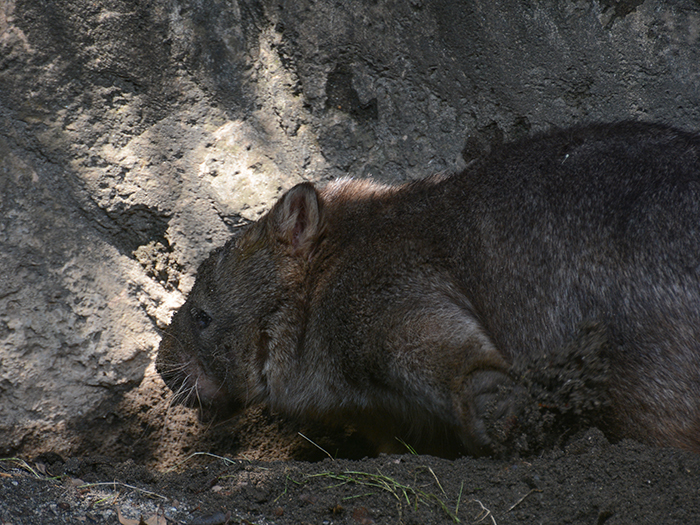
[(298, 218)]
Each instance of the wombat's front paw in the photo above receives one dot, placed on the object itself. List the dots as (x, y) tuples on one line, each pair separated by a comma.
[(491, 407)]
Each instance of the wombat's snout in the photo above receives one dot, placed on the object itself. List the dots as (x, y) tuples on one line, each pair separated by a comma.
[(184, 374), (194, 388)]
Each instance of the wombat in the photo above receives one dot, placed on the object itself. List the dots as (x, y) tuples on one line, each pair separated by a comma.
[(408, 310)]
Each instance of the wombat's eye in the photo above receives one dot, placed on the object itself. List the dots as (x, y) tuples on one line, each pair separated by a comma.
[(201, 319)]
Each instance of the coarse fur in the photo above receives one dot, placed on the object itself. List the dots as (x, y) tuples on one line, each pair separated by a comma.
[(423, 311)]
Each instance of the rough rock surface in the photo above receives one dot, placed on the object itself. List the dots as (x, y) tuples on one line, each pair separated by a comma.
[(134, 137)]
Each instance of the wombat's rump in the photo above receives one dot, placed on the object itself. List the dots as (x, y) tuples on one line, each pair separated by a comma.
[(433, 311)]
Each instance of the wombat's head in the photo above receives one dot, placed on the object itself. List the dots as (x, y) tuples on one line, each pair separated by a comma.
[(244, 307)]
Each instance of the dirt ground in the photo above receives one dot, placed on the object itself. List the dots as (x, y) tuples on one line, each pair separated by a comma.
[(589, 480)]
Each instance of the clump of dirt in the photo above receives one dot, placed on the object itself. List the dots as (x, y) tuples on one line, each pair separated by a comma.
[(574, 382), (159, 263), (554, 396)]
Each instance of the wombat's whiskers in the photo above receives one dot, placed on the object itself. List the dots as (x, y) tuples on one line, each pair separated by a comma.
[(177, 372), (185, 393)]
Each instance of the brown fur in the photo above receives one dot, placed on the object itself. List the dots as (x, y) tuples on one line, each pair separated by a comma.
[(419, 311)]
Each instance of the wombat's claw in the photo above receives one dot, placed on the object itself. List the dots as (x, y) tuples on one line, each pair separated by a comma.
[(495, 401)]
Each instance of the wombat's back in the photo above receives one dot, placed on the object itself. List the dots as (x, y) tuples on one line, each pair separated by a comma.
[(594, 225)]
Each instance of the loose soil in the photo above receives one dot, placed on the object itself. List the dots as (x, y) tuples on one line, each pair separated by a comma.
[(589, 480)]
